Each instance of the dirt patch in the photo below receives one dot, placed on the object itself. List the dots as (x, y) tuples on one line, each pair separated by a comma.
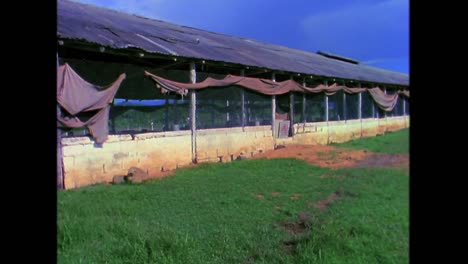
[(164, 172), (294, 228), (335, 157), (384, 160), (295, 196), (322, 204), (302, 225), (259, 196), (157, 175), (299, 229), (289, 247), (274, 194)]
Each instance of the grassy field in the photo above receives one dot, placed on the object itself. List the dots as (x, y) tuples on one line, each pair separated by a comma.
[(249, 211), (392, 143)]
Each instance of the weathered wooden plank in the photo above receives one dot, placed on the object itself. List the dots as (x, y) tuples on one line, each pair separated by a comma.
[(326, 103), (291, 111), (193, 110), (273, 110), (60, 174), (242, 73)]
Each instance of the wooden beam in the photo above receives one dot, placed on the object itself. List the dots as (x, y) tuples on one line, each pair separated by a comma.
[(303, 102), (326, 102), (404, 106), (404, 110), (112, 116), (60, 173), (291, 111), (360, 103), (193, 111), (360, 107), (228, 118), (326, 114), (375, 114), (242, 73), (273, 110), (345, 107)]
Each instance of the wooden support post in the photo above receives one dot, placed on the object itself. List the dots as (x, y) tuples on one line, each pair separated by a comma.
[(404, 111), (273, 110), (326, 104), (242, 73), (326, 114), (273, 114), (345, 107), (60, 172), (291, 111), (374, 115), (360, 107), (404, 106), (303, 103), (112, 117), (360, 103), (228, 119), (193, 111)]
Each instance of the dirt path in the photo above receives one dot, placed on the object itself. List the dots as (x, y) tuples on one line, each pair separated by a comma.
[(335, 157), (326, 156)]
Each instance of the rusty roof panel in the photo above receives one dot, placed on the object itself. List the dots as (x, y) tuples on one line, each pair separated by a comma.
[(120, 30)]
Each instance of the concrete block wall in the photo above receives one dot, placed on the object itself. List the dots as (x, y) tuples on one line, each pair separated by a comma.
[(86, 164), (227, 142)]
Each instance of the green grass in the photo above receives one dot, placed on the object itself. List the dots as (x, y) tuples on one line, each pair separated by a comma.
[(392, 142), (211, 214)]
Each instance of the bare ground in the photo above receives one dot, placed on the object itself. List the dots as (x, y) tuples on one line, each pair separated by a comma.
[(325, 156), (335, 157)]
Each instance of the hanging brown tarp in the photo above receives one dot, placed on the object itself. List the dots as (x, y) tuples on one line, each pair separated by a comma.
[(384, 101), (263, 86), (332, 89), (268, 87), (76, 96)]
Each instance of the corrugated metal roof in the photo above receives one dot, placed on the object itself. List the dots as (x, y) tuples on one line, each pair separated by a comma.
[(120, 30)]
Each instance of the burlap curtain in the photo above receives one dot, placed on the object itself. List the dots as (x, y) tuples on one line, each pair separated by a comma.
[(268, 87), (76, 96)]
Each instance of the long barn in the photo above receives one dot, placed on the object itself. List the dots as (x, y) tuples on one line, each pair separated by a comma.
[(144, 93)]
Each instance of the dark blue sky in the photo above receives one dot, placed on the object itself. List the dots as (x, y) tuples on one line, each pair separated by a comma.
[(375, 32)]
